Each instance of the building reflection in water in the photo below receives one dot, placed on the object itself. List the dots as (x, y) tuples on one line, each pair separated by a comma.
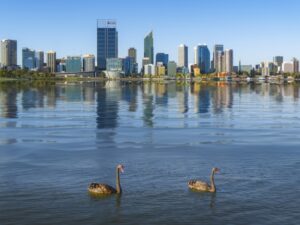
[(161, 94), (8, 100), (130, 95), (108, 96), (222, 97), (201, 97), (148, 104), (88, 92), (182, 93)]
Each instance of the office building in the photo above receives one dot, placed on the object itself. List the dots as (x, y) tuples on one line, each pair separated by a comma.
[(228, 61), (107, 42), (295, 65), (88, 63), (129, 66), (172, 69), (149, 47), (114, 68), (278, 60), (146, 61), (51, 61), (114, 64), (133, 54), (196, 57), (9, 53), (215, 63), (162, 58), (149, 70), (288, 67), (220, 62), (160, 69), (73, 64), (203, 58), (246, 68), (61, 65), (28, 59), (39, 60), (183, 56)]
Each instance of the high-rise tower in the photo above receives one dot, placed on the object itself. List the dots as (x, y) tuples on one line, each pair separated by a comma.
[(107, 42), (8, 53), (149, 47), (183, 56)]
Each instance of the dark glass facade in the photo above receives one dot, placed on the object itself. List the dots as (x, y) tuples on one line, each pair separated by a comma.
[(204, 59), (149, 47), (162, 58), (107, 42)]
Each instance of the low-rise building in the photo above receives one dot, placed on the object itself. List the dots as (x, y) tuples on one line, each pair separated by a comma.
[(149, 70)]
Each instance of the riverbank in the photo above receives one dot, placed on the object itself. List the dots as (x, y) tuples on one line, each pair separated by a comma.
[(276, 79)]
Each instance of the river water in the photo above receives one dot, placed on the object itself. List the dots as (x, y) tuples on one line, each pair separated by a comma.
[(57, 138)]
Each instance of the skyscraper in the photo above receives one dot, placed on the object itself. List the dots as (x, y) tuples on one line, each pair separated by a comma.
[(278, 60), (229, 61), (129, 66), (39, 60), (162, 58), (28, 59), (296, 65), (107, 42), (149, 47), (51, 61), (132, 54), (88, 63), (220, 62), (183, 60), (196, 57), (217, 48), (203, 58), (8, 53)]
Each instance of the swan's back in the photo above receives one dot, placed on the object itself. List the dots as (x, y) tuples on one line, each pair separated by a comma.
[(101, 189), (198, 185)]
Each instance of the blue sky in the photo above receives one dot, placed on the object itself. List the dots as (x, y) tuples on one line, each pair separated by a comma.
[(256, 30)]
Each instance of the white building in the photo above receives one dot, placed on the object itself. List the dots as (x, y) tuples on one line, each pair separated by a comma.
[(196, 57), (288, 67), (183, 56), (149, 70)]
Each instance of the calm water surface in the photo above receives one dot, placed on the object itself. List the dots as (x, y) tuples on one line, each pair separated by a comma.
[(57, 138)]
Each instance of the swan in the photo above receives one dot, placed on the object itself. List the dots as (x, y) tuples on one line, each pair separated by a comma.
[(104, 189), (203, 186)]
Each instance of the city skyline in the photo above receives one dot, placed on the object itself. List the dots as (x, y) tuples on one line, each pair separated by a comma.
[(259, 42)]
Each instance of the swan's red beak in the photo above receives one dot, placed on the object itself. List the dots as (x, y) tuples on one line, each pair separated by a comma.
[(122, 169)]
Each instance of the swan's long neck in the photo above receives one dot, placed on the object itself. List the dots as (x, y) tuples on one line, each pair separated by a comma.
[(212, 182), (118, 183)]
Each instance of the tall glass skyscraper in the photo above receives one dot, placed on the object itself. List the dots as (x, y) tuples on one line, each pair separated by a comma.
[(149, 47), (28, 59), (107, 42), (203, 58)]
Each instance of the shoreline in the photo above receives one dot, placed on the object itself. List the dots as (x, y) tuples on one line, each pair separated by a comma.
[(101, 79)]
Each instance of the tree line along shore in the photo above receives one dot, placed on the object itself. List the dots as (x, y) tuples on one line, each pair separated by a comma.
[(36, 75)]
